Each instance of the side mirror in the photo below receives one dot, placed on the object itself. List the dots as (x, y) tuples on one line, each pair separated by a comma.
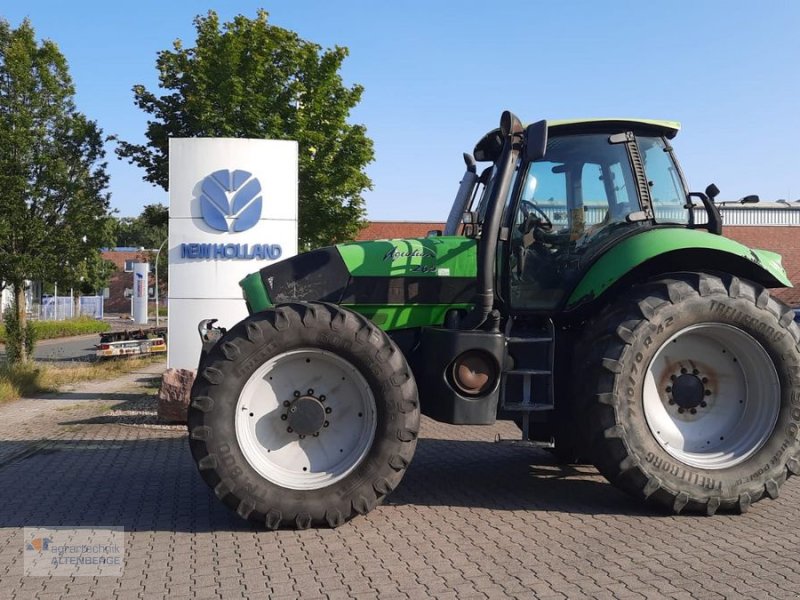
[(751, 199), (469, 218), (470, 221), (712, 191), (535, 141)]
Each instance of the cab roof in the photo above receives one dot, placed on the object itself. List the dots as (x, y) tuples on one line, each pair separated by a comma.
[(489, 145), (667, 128)]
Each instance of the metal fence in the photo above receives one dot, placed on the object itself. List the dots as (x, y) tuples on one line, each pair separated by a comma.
[(59, 308), (90, 306)]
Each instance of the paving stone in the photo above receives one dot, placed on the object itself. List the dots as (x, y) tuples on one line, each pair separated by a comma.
[(471, 519)]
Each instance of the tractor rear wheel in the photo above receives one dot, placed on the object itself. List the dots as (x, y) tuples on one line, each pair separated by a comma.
[(303, 415), (692, 397)]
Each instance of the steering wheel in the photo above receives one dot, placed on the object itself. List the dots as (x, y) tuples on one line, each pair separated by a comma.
[(534, 217)]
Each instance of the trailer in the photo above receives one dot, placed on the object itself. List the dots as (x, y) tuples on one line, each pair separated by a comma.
[(152, 340)]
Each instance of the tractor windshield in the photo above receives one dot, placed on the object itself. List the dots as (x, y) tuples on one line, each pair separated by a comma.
[(583, 185)]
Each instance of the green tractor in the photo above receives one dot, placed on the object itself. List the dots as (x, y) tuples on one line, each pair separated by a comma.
[(578, 289)]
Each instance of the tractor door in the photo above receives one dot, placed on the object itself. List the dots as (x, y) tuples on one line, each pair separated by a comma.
[(566, 207)]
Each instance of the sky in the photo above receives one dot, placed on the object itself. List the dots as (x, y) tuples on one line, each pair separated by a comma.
[(438, 74)]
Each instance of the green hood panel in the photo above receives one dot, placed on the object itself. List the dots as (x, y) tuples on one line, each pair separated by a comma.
[(405, 317), (398, 284), (450, 256), (637, 250)]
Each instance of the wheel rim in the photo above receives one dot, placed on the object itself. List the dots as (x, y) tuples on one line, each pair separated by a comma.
[(711, 396), (305, 419)]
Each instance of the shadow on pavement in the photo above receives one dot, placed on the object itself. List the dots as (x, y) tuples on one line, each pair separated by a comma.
[(503, 477), (153, 485), (141, 485)]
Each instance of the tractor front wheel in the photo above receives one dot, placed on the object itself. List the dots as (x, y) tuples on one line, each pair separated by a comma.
[(303, 415), (692, 398)]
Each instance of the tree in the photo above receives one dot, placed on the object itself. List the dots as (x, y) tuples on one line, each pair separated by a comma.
[(253, 79), (148, 230), (53, 205)]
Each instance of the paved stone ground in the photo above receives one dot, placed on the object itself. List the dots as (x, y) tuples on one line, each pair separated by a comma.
[(472, 519)]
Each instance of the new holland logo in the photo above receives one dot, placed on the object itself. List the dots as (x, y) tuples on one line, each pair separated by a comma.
[(230, 201)]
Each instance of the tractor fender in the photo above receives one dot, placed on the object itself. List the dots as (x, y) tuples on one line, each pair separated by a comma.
[(671, 250)]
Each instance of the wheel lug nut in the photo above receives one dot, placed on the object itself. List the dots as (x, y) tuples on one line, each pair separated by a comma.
[(695, 372), (310, 392), (325, 424), (283, 417), (671, 401), (693, 411), (289, 429), (683, 371), (680, 410), (673, 377), (707, 392), (703, 404), (328, 410), (322, 398), (297, 393), (669, 389), (286, 403), (704, 380), (316, 434), (302, 437)]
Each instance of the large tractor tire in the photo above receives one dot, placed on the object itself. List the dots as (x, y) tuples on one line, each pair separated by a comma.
[(303, 415), (693, 393)]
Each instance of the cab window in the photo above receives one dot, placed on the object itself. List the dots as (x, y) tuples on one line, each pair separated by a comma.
[(666, 188)]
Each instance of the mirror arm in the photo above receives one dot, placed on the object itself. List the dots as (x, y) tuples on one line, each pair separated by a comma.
[(714, 224)]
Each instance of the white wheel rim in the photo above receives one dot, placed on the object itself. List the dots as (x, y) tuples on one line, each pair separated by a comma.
[(740, 396), (313, 461)]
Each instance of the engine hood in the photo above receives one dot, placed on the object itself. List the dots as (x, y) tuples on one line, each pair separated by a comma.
[(423, 271)]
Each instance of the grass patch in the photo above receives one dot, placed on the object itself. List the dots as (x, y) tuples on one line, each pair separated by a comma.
[(45, 330), (30, 379), (19, 380)]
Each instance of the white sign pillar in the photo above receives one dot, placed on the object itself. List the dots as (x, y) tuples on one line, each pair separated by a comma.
[(232, 211), (141, 272)]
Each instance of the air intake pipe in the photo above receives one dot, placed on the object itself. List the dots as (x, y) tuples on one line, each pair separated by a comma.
[(511, 129)]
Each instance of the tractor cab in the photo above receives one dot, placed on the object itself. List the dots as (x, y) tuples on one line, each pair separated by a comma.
[(596, 183)]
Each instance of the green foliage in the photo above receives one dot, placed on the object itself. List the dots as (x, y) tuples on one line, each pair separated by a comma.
[(46, 330), (94, 274), (53, 205), (248, 78), (148, 230), (18, 337)]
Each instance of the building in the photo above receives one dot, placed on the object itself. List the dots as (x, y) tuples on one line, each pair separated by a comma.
[(117, 299), (772, 226), (388, 230)]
